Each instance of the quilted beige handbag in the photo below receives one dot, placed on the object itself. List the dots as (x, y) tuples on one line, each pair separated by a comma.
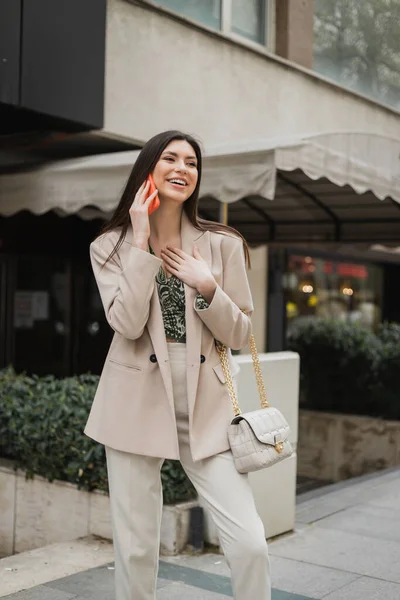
[(260, 438)]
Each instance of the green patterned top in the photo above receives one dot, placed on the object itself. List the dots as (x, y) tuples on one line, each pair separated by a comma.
[(171, 293)]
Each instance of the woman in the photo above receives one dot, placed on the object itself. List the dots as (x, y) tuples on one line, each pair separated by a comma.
[(171, 284)]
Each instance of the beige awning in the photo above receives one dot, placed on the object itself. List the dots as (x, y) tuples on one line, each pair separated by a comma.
[(364, 161), (324, 186), (98, 181)]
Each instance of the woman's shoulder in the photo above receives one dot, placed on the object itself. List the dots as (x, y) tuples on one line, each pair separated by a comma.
[(107, 239), (225, 240)]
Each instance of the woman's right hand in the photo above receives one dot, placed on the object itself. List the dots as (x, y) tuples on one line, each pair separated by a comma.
[(139, 214)]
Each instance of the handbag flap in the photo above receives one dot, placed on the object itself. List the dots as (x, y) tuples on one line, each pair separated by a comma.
[(268, 425)]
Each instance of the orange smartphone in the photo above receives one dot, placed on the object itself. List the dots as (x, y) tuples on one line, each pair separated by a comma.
[(155, 203)]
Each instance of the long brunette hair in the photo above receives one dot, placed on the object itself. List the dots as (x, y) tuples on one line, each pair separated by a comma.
[(144, 165)]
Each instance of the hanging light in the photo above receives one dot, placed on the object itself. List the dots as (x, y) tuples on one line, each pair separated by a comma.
[(347, 291), (307, 288), (346, 288)]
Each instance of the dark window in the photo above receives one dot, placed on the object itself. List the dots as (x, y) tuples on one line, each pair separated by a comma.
[(41, 315)]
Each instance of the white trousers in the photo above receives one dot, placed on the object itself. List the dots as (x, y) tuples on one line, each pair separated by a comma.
[(136, 507)]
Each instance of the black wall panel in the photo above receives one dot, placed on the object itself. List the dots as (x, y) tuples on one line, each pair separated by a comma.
[(276, 329), (63, 59), (391, 293), (10, 20)]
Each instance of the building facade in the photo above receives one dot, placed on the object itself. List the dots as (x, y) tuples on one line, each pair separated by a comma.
[(242, 77)]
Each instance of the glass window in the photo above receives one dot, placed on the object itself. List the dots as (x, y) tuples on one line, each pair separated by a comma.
[(248, 19), (41, 315), (204, 11), (315, 287), (358, 45)]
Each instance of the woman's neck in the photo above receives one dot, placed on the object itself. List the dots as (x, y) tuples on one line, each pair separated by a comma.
[(165, 223)]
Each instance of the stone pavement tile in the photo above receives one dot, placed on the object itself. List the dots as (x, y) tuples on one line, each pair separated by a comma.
[(40, 592), (162, 583), (390, 501), (287, 575), (381, 481), (353, 491), (315, 511), (309, 580), (279, 595), (196, 578), (310, 512), (98, 581), (344, 551), (367, 588), (180, 591), (348, 494), (95, 583), (38, 567), (369, 520), (215, 584), (210, 563)]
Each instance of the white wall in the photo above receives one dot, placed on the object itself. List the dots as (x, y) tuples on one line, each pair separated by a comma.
[(258, 279), (162, 74)]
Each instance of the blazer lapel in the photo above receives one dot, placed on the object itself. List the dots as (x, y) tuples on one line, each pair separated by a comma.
[(155, 327)]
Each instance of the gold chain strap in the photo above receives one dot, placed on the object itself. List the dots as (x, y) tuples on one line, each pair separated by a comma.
[(222, 351)]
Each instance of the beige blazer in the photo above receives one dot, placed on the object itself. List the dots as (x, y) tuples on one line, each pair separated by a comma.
[(133, 409)]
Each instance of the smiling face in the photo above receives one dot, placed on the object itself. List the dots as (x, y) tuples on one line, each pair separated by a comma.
[(175, 173)]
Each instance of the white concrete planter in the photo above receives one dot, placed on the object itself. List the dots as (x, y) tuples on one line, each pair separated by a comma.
[(334, 447), (36, 513)]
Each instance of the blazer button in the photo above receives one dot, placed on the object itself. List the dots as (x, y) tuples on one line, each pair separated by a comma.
[(202, 358), (153, 358)]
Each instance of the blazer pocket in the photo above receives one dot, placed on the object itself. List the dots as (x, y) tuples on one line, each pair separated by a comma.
[(116, 363), (220, 374)]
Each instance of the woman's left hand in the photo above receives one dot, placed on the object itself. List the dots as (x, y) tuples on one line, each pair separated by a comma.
[(192, 270)]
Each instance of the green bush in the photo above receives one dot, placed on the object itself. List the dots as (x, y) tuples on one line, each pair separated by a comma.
[(387, 393), (340, 366), (41, 430)]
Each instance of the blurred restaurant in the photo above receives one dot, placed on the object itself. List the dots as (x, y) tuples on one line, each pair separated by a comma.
[(347, 285)]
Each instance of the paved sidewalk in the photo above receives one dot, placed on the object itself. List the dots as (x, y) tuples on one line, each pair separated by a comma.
[(346, 547)]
